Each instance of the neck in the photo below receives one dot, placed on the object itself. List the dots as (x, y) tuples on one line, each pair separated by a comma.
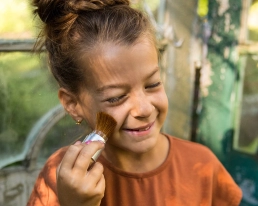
[(138, 162)]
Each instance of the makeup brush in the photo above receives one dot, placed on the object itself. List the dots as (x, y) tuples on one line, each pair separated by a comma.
[(105, 126)]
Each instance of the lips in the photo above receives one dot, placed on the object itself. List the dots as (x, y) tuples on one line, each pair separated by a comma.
[(140, 129)]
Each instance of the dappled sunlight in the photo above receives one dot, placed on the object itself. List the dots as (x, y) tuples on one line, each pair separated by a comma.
[(253, 16), (18, 20)]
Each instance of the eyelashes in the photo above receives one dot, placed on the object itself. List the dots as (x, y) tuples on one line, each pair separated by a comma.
[(119, 99), (153, 85), (114, 100)]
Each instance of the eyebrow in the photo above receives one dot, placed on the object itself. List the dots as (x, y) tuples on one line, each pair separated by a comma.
[(111, 86), (154, 72), (119, 86)]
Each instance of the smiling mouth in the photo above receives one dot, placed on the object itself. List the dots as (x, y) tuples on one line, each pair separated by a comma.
[(139, 130)]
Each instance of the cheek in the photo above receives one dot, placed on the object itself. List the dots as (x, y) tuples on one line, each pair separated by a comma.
[(118, 114), (90, 118), (161, 102), (89, 110)]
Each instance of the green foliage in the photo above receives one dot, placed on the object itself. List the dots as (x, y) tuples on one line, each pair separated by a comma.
[(253, 15), (17, 18), (153, 4), (28, 91)]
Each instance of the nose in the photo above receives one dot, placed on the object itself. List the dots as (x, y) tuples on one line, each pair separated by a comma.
[(141, 106)]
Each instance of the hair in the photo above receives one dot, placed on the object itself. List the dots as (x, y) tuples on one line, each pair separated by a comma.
[(71, 27)]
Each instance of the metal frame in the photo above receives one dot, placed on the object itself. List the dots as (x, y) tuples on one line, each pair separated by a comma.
[(15, 45)]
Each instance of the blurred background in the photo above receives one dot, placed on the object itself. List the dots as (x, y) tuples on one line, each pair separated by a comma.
[(209, 61)]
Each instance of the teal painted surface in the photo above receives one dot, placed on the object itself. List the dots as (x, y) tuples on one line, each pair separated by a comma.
[(217, 115)]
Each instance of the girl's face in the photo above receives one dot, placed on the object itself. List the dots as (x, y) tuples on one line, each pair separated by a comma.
[(125, 82)]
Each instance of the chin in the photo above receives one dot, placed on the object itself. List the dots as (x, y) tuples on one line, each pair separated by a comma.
[(140, 147)]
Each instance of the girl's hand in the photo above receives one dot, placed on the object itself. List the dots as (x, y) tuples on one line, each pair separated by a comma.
[(75, 184)]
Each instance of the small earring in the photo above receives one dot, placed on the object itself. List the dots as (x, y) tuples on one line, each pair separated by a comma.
[(78, 122)]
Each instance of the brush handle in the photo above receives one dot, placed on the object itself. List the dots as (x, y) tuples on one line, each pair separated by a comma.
[(94, 137)]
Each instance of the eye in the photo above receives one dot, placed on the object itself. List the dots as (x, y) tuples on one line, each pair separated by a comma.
[(153, 85), (114, 100)]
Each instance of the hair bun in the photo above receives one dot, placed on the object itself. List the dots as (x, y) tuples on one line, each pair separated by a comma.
[(76, 6), (52, 9), (49, 9)]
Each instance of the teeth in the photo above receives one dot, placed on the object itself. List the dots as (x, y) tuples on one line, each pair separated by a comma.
[(144, 129)]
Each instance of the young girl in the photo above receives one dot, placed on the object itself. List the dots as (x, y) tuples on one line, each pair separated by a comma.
[(104, 57)]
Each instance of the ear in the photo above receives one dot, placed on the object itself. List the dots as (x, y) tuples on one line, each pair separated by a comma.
[(70, 104)]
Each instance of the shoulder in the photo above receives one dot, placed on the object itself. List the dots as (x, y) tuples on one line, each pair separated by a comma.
[(48, 172), (44, 191), (191, 150), (55, 158), (205, 168), (194, 155)]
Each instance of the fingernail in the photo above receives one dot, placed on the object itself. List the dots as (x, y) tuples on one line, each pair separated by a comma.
[(77, 143), (88, 142)]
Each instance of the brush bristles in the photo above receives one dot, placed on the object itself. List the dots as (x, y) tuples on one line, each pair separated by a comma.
[(105, 124)]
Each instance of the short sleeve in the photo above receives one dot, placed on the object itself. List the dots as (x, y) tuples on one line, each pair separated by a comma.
[(225, 192), (45, 191)]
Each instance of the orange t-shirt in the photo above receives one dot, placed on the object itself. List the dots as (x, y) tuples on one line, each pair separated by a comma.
[(190, 176)]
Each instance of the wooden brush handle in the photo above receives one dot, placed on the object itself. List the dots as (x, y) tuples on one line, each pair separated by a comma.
[(94, 137), (94, 158)]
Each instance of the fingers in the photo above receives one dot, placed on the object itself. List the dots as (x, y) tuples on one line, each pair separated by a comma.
[(96, 172), (84, 158), (100, 187), (97, 183), (75, 184), (77, 142), (78, 156)]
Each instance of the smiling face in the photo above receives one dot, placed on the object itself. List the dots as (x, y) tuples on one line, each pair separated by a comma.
[(124, 81)]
